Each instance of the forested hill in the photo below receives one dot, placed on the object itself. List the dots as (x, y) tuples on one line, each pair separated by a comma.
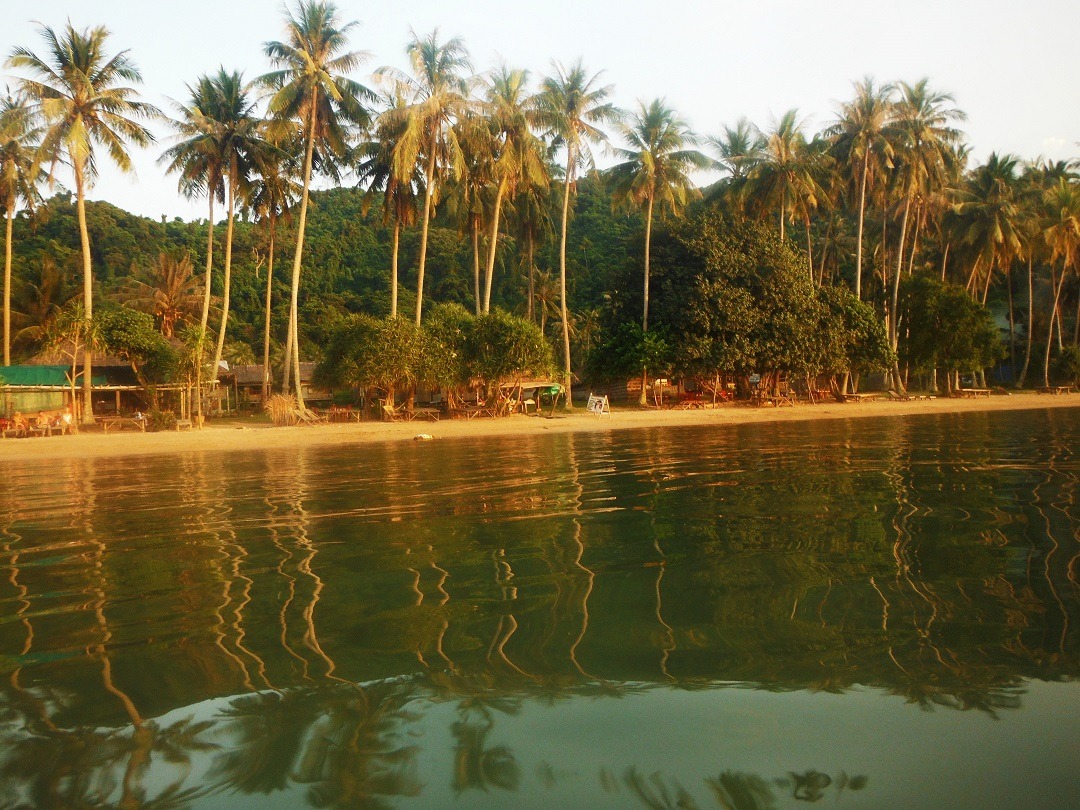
[(346, 262)]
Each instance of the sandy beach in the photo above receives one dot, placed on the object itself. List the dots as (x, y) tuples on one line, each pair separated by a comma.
[(225, 436)]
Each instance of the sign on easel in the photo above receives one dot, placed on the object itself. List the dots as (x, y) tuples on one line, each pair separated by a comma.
[(598, 405)]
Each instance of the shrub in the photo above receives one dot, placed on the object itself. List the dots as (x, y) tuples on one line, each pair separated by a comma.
[(161, 420)]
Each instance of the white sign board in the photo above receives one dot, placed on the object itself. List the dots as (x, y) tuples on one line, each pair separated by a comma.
[(598, 405)]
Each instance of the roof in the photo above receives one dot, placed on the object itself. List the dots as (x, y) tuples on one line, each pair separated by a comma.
[(252, 374), (53, 376)]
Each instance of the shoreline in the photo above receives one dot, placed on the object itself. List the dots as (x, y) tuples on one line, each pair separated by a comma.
[(233, 438)]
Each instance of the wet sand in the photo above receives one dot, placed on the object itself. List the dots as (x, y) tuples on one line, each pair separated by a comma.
[(231, 436)]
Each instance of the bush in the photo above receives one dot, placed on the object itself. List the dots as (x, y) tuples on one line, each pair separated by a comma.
[(1067, 366), (161, 420)]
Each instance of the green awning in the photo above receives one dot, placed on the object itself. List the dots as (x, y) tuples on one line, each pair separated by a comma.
[(42, 376)]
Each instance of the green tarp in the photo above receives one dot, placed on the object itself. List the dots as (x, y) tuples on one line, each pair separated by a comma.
[(33, 376)]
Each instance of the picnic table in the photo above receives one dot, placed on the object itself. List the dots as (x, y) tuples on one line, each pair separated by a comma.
[(975, 393), (1056, 389)]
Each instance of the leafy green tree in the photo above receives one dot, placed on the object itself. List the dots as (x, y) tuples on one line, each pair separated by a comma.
[(77, 90), (439, 92), (571, 107), (20, 177), (501, 347), (312, 90), (132, 336), (948, 329), (373, 353)]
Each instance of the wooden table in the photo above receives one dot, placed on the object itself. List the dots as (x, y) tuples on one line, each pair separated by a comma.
[(975, 393), (1056, 389), (869, 397)]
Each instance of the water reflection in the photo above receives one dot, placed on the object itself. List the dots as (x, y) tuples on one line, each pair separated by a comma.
[(382, 624)]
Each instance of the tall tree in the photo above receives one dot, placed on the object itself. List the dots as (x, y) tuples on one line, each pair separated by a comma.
[(19, 179), (925, 144), (655, 171), (785, 178), (1062, 234), (863, 149), (243, 150), (272, 196), (169, 290), (376, 167), (739, 149), (310, 87), (518, 159), (572, 105), (988, 218), (77, 89), (439, 89)]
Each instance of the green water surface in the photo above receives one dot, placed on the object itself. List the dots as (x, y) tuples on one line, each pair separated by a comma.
[(874, 613)]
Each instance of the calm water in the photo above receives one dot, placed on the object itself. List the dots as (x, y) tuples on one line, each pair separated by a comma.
[(882, 613)]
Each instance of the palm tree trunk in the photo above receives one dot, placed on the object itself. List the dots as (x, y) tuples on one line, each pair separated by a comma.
[(1012, 321), (394, 268), (915, 241), (297, 258), (266, 324), (989, 278), (7, 286), (474, 229), (569, 404), (532, 279), (228, 275), (809, 251), (1031, 321), (88, 291), (428, 188), (783, 212), (944, 260), (493, 245), (1057, 285), (894, 322), (645, 308), (859, 235), (204, 320)]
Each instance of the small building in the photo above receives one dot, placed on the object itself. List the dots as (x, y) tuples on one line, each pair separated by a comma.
[(247, 381)]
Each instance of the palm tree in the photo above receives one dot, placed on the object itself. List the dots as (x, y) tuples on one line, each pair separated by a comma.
[(518, 159), (786, 175), (925, 146), (532, 223), (656, 170), (19, 178), (466, 195), (377, 167), (739, 149), (988, 218), (571, 107), (169, 290), (1062, 234), (271, 197), (40, 303), (242, 150), (76, 89), (861, 145), (310, 87), (439, 94)]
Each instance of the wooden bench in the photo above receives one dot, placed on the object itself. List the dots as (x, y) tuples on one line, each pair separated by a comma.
[(975, 393), (184, 423), (1055, 389)]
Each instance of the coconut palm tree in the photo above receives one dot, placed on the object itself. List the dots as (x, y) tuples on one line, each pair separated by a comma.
[(242, 150), (1062, 233), (376, 167), (272, 196), (785, 177), (465, 196), (19, 180), (924, 144), (531, 216), (655, 171), (572, 106), (738, 150), (518, 159), (439, 90), (310, 88), (862, 146), (988, 217), (169, 290), (78, 90)]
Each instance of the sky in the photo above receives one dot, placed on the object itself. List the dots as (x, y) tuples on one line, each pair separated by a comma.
[(1012, 67)]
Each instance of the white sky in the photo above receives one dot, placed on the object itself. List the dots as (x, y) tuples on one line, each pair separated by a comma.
[(1012, 66)]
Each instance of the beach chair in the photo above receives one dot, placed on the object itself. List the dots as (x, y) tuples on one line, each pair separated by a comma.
[(391, 414)]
